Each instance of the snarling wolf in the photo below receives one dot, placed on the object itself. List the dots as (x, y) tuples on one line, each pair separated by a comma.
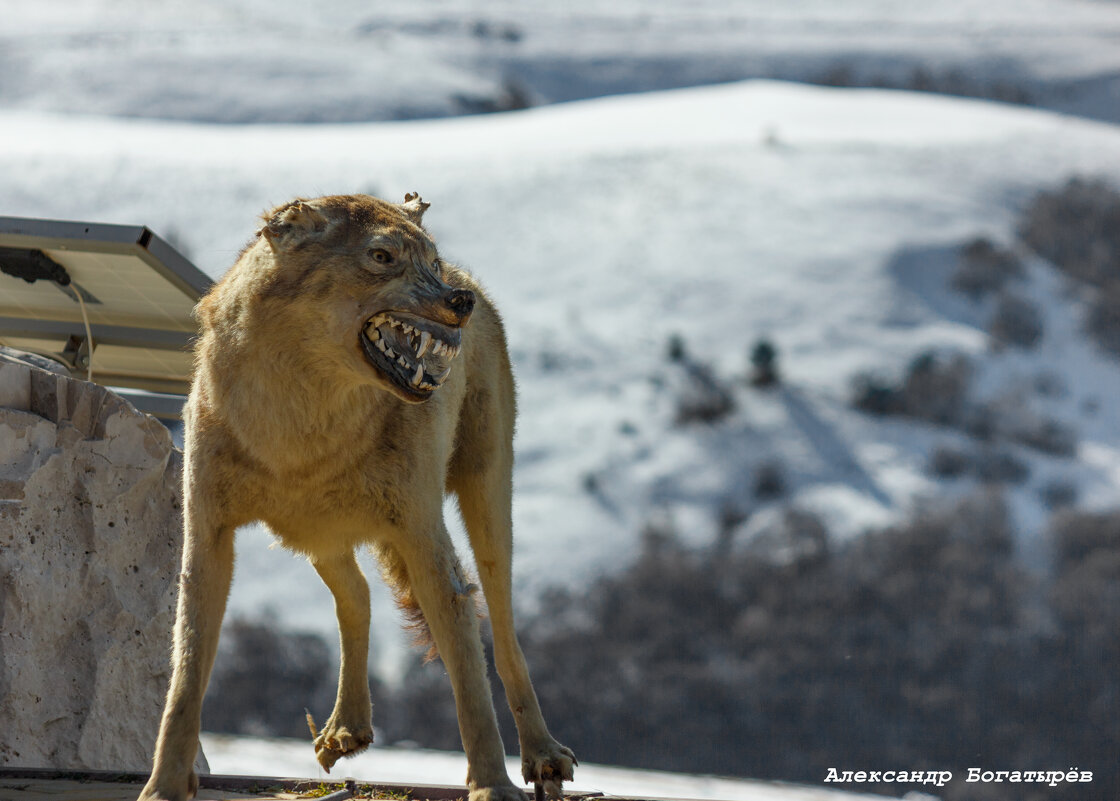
[(347, 378)]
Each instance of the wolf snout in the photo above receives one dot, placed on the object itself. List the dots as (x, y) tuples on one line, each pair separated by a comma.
[(461, 302)]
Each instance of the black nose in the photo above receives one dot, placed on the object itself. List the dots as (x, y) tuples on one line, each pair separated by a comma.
[(460, 301)]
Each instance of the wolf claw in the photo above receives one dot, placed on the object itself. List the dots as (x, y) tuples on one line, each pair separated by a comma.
[(547, 769)]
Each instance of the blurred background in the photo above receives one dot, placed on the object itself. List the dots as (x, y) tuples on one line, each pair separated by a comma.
[(815, 312)]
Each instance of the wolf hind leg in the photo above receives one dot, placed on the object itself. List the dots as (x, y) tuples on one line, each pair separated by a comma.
[(437, 582), (349, 729), (485, 504)]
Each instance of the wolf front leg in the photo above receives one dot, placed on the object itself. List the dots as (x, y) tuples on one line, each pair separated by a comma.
[(203, 589), (349, 729), (484, 500), (440, 587)]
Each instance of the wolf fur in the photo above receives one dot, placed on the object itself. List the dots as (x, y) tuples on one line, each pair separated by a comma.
[(300, 417)]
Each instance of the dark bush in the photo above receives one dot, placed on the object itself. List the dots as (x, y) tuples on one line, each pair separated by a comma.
[(425, 707), (997, 466), (983, 267), (981, 420), (1016, 321), (1079, 537), (264, 678), (1085, 648), (875, 395), (1103, 323), (675, 349), (769, 481), (936, 387), (917, 645), (704, 397), (1077, 227), (990, 465), (1048, 436), (1059, 494), (950, 462)]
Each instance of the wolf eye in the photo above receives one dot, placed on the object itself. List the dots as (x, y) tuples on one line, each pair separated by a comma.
[(381, 256)]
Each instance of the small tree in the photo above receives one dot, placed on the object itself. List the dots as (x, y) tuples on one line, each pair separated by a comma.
[(764, 364)]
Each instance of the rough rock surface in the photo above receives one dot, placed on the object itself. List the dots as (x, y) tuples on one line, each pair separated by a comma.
[(89, 555)]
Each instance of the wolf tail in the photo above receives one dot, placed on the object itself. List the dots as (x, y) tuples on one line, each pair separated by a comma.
[(395, 574)]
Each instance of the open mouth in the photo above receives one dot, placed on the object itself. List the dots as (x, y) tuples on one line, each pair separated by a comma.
[(413, 352)]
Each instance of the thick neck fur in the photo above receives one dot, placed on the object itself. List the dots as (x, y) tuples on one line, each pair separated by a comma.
[(245, 356)]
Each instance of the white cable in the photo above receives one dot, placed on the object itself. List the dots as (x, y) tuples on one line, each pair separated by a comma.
[(89, 335)]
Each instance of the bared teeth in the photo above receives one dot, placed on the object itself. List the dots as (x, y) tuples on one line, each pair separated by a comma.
[(418, 376), (425, 341), (439, 379)]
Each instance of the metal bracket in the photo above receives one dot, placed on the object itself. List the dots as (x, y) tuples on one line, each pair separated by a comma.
[(76, 354)]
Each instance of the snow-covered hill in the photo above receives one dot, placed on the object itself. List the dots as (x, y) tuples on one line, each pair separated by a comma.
[(356, 60), (820, 218)]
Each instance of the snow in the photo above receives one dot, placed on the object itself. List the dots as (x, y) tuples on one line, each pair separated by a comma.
[(251, 756), (813, 216), (360, 60)]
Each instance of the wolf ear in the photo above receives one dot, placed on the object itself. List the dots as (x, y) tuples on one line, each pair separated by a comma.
[(414, 207), (292, 223)]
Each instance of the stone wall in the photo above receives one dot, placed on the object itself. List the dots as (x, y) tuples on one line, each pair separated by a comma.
[(90, 533)]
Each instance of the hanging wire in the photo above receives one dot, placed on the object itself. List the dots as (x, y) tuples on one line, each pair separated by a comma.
[(89, 335)]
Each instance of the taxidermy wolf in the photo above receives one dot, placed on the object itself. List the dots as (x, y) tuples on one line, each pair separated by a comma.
[(347, 378)]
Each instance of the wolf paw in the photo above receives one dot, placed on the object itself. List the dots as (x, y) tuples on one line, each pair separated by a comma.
[(162, 789), (548, 766), (337, 739), (500, 793)]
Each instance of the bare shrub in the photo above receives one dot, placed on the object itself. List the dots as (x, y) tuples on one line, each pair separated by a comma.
[(874, 394), (265, 677), (936, 387), (983, 267), (705, 401), (704, 397), (928, 633), (947, 461), (1077, 227), (769, 481), (1079, 536), (1016, 321), (799, 537), (1103, 323), (1059, 494), (1049, 436), (997, 466), (981, 420)]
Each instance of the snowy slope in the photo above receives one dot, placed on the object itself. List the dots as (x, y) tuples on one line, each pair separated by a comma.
[(283, 60), (604, 227), (251, 756)]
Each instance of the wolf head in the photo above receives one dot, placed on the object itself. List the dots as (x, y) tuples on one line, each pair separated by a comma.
[(364, 286)]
